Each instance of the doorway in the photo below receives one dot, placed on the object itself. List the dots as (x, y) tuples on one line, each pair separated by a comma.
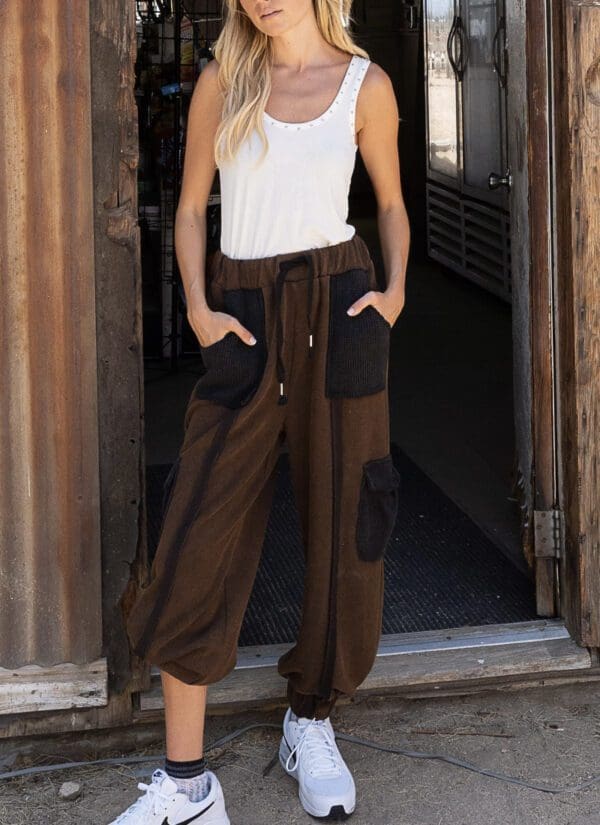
[(458, 574)]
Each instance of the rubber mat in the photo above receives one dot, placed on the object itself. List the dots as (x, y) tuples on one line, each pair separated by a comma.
[(441, 570)]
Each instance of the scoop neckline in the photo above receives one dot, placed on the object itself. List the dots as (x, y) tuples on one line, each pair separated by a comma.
[(302, 124)]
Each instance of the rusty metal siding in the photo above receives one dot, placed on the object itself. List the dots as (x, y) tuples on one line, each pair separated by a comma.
[(50, 587)]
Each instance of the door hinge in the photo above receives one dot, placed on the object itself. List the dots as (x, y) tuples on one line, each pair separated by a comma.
[(548, 533)]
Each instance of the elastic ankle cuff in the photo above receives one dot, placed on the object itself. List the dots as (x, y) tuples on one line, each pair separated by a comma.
[(308, 704)]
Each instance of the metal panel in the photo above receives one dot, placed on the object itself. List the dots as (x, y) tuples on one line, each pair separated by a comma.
[(49, 501), (470, 238)]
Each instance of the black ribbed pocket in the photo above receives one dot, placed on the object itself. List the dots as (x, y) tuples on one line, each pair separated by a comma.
[(358, 346), (377, 507), (234, 369)]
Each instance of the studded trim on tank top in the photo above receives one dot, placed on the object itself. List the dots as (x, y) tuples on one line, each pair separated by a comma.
[(309, 124), (352, 109)]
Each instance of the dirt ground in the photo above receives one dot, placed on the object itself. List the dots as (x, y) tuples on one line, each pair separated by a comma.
[(548, 735)]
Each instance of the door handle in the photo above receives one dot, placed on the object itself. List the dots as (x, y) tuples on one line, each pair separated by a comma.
[(450, 45), (457, 29), (495, 180), (464, 47)]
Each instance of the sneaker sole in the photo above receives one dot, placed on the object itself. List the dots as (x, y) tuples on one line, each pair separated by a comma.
[(336, 813)]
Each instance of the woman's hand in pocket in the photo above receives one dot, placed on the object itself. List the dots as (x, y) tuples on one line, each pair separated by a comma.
[(211, 326), (388, 304)]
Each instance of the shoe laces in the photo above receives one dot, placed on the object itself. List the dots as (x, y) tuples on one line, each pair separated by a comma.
[(152, 802), (318, 743)]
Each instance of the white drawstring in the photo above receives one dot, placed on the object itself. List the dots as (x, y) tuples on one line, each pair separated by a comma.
[(320, 745)]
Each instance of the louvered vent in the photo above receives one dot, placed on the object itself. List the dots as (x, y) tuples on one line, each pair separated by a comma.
[(470, 238)]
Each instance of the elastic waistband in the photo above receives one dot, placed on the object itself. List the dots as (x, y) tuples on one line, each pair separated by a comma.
[(235, 273)]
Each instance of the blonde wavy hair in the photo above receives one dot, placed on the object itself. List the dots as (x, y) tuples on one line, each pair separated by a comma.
[(245, 57)]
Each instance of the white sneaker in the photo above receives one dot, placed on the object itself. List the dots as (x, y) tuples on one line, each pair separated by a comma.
[(309, 753), (163, 804)]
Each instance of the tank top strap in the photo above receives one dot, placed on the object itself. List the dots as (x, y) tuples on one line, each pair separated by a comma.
[(355, 79)]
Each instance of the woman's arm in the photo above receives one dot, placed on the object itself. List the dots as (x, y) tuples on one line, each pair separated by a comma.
[(190, 219), (377, 126)]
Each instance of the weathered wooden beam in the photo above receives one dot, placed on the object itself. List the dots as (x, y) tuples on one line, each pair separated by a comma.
[(115, 150), (542, 313), (576, 82), (517, 115), (35, 688), (117, 712)]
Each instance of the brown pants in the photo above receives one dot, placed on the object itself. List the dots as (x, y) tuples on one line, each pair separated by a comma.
[(317, 377)]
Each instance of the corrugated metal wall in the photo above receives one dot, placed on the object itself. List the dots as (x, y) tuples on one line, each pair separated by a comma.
[(50, 585)]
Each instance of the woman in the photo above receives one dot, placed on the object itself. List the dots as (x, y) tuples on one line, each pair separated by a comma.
[(294, 334)]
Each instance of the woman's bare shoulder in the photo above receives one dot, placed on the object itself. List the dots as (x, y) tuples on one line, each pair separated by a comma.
[(207, 99), (376, 96), (208, 81), (377, 81)]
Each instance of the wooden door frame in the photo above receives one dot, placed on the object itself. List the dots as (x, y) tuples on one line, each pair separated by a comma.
[(545, 504), (531, 278), (563, 82), (562, 78), (117, 250), (576, 90), (533, 180)]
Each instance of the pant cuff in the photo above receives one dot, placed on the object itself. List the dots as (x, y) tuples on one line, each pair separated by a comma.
[(310, 705)]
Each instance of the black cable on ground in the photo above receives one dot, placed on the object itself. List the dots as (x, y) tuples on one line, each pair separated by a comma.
[(355, 740)]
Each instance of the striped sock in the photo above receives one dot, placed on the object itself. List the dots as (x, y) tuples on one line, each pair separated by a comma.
[(190, 777)]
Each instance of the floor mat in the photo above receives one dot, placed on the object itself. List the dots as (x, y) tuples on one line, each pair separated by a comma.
[(441, 570)]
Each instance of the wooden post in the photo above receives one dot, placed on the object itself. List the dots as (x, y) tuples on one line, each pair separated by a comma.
[(577, 93), (117, 253), (539, 205)]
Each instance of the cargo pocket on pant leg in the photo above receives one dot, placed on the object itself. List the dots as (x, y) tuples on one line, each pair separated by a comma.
[(234, 369), (377, 507), (358, 346)]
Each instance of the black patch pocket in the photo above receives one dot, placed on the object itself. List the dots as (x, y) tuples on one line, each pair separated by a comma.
[(358, 346), (234, 369), (377, 507)]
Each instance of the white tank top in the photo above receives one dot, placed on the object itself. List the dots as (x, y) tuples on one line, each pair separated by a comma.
[(297, 198)]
